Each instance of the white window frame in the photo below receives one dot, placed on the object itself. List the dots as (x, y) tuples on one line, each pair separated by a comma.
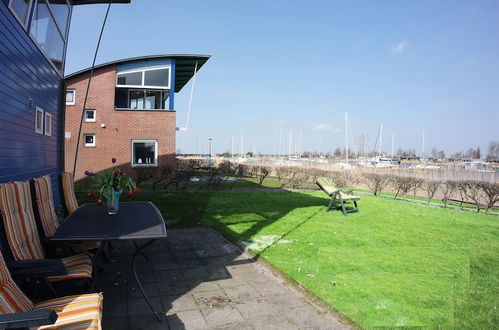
[(88, 145), (90, 120), (143, 77), (39, 130), (155, 164), (48, 124), (74, 96), (25, 23)]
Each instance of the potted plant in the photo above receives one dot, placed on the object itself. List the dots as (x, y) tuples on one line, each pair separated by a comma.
[(112, 182)]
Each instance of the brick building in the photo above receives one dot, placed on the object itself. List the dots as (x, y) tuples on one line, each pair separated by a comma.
[(130, 112)]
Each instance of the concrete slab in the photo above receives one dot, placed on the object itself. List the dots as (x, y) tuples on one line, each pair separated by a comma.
[(198, 280)]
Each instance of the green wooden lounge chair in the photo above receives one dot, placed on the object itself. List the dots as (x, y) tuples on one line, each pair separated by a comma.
[(338, 197)]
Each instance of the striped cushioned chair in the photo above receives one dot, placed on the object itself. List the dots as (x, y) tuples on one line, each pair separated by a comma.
[(68, 190), (46, 211), (21, 232), (74, 312)]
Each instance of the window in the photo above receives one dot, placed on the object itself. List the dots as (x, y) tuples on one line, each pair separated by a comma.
[(70, 97), (90, 116), (152, 78), (49, 29), (48, 124), (144, 152), (89, 140), (39, 120), (141, 99), (20, 9)]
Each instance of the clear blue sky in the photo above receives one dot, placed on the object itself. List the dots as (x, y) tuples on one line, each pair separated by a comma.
[(411, 65)]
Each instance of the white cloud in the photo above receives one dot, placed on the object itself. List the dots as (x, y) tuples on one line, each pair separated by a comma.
[(322, 127), (401, 47)]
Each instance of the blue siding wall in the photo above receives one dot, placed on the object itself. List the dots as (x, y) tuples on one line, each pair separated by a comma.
[(25, 73)]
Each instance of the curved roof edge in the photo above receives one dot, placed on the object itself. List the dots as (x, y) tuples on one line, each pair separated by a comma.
[(184, 66)]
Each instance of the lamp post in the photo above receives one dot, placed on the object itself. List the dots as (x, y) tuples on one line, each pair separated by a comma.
[(209, 140)]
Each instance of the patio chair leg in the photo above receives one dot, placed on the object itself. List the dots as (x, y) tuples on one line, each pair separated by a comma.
[(342, 203)]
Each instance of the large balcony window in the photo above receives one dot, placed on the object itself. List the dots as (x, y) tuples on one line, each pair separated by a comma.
[(146, 78), (141, 99)]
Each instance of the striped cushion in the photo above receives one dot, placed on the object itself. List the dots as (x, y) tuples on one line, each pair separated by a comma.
[(77, 266), (45, 202), (69, 192), (12, 299), (19, 221), (74, 312)]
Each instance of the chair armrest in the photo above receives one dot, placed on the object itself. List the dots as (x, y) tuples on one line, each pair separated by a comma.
[(27, 319), (37, 268)]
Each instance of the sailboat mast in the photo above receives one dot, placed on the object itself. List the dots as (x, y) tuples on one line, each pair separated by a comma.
[(380, 138), (346, 137), (393, 142), (422, 154)]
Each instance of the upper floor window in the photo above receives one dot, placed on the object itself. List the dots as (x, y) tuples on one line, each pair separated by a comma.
[(49, 27), (89, 116), (70, 97), (21, 9), (151, 78)]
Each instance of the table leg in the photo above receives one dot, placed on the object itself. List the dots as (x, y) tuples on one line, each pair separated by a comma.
[(95, 265), (142, 254), (139, 284)]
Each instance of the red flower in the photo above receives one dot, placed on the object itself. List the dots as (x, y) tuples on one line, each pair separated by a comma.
[(116, 172), (99, 202), (112, 207), (92, 194), (133, 192), (130, 194), (136, 191)]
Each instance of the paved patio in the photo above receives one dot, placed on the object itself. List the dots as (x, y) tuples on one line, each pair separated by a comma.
[(201, 281)]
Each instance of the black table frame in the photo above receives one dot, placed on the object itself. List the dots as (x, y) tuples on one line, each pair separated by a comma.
[(136, 221)]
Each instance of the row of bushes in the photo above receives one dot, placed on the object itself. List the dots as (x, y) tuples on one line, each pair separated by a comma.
[(477, 192)]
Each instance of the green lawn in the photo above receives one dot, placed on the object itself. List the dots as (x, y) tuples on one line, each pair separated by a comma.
[(392, 264)]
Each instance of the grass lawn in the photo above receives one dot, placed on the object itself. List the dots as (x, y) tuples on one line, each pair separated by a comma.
[(392, 264)]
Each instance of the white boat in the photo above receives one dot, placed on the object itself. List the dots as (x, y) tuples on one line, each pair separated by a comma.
[(379, 162)]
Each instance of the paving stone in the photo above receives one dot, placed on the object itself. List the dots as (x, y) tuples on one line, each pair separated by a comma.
[(242, 293), (211, 299), (175, 304), (114, 307), (236, 326), (255, 307), (270, 288), (114, 322), (151, 290), (218, 273), (271, 322), (307, 317), (139, 307), (197, 273), (286, 301), (189, 320), (170, 275), (231, 282), (147, 322), (222, 316), (196, 286), (173, 288)]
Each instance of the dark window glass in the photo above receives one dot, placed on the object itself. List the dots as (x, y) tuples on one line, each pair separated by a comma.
[(133, 78), (153, 100), (157, 77), (20, 8), (60, 9), (144, 152), (46, 34), (89, 139), (121, 98), (89, 114), (136, 100)]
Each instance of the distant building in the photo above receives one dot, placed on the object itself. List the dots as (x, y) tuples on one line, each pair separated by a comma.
[(33, 42), (130, 112)]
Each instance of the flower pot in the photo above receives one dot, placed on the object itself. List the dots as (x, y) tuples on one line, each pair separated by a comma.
[(113, 203)]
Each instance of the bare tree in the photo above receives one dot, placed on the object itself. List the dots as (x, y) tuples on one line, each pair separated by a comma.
[(474, 192), (263, 172), (431, 188), (493, 151), (143, 174), (376, 182), (449, 188), (417, 183), (164, 173), (402, 184), (491, 193)]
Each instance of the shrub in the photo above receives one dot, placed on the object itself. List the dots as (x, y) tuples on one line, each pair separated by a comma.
[(376, 182), (449, 188), (491, 193), (431, 188)]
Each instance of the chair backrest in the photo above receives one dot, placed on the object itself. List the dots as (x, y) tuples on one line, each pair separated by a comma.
[(19, 221), (12, 299), (326, 185), (45, 203), (68, 190)]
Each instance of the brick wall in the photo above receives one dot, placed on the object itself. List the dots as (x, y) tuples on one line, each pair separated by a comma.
[(121, 127)]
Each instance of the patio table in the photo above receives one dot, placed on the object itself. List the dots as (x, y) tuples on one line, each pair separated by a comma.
[(135, 221)]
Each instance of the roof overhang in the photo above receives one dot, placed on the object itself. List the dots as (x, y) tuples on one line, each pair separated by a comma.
[(184, 66)]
